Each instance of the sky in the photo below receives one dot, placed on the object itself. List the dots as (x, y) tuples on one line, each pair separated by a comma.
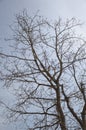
[(51, 9)]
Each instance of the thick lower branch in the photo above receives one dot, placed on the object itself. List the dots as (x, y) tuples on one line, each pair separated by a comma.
[(71, 109)]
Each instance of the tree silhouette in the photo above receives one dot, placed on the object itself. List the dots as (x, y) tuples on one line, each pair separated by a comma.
[(47, 72)]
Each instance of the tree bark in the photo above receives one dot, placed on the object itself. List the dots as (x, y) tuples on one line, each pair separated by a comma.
[(60, 111)]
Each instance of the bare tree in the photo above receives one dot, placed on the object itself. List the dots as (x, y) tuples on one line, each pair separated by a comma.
[(47, 71)]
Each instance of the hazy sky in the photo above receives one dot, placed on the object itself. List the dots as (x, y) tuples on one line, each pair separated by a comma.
[(51, 9)]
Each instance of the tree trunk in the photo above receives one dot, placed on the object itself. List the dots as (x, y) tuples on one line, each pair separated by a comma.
[(84, 117), (60, 111)]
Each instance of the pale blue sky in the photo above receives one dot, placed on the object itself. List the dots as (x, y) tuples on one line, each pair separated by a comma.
[(51, 9), (48, 8)]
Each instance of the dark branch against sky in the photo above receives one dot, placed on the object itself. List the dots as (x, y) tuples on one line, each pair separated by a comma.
[(50, 9)]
